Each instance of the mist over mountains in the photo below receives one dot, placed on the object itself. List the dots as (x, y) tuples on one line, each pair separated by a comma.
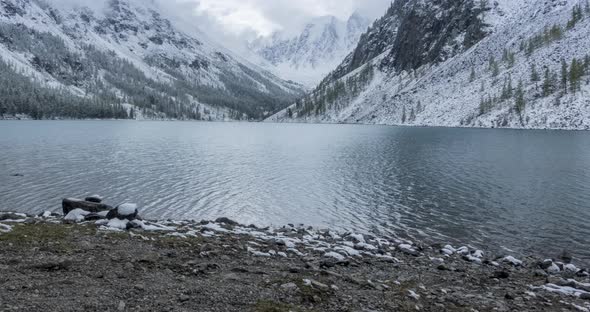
[(471, 63), (517, 64), (124, 60)]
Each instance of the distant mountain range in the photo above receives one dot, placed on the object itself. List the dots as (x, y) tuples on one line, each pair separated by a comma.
[(127, 60), (318, 49), (471, 63)]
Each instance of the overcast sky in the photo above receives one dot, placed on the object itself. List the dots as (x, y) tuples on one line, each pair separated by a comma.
[(232, 22), (266, 16), (235, 20)]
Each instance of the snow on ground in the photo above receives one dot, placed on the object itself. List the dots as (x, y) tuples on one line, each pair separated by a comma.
[(76, 215), (5, 228), (443, 95), (131, 32), (127, 209)]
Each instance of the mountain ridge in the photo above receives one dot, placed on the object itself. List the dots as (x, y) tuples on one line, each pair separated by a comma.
[(466, 85), (128, 57), (315, 51)]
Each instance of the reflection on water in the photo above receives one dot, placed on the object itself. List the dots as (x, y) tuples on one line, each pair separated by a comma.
[(523, 190)]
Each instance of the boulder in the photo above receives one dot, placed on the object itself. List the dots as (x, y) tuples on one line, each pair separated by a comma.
[(566, 257), (94, 199), (227, 221), (124, 212), (70, 204), (76, 215), (12, 216), (94, 217)]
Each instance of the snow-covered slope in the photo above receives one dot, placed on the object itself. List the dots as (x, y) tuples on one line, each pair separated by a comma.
[(463, 63), (309, 56), (128, 54)]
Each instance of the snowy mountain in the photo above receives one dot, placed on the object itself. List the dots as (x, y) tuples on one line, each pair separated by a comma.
[(125, 58), (475, 63), (311, 55)]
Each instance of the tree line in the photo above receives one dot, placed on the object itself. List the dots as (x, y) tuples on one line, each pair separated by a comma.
[(95, 84)]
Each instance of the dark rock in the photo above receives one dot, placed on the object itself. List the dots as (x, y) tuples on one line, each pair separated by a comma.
[(17, 175), (115, 214), (184, 298), (227, 221), (582, 273), (93, 217), (501, 274), (443, 267), (54, 265), (93, 199), (585, 296), (10, 216), (69, 204), (133, 225), (566, 257), (239, 270), (540, 273), (545, 264), (509, 296), (327, 264)]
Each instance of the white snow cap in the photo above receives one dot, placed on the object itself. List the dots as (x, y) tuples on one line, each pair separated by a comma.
[(118, 224), (512, 260), (127, 209), (76, 215)]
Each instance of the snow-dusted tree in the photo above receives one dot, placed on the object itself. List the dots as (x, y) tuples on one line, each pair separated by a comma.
[(535, 75), (548, 82), (575, 75), (519, 99), (404, 115), (494, 67), (577, 15), (564, 76)]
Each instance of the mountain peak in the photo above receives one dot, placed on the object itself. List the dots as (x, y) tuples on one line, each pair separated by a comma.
[(308, 56)]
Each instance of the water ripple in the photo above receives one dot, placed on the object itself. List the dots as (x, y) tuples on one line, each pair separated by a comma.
[(526, 191)]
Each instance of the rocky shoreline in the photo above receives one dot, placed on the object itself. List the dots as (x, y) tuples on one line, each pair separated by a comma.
[(113, 261)]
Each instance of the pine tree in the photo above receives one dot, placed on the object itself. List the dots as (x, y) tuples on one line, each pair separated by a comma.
[(482, 106), (547, 83), (404, 115), (505, 55), (577, 15), (289, 112), (509, 90), (535, 75), (472, 74), (564, 76), (574, 75), (587, 9), (519, 98), (530, 49), (493, 67), (511, 59), (496, 70)]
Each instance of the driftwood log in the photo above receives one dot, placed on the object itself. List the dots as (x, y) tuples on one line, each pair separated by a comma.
[(70, 204)]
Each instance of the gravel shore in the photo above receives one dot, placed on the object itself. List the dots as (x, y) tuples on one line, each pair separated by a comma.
[(47, 264)]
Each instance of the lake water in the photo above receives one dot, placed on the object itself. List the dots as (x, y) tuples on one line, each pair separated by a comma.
[(527, 191)]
